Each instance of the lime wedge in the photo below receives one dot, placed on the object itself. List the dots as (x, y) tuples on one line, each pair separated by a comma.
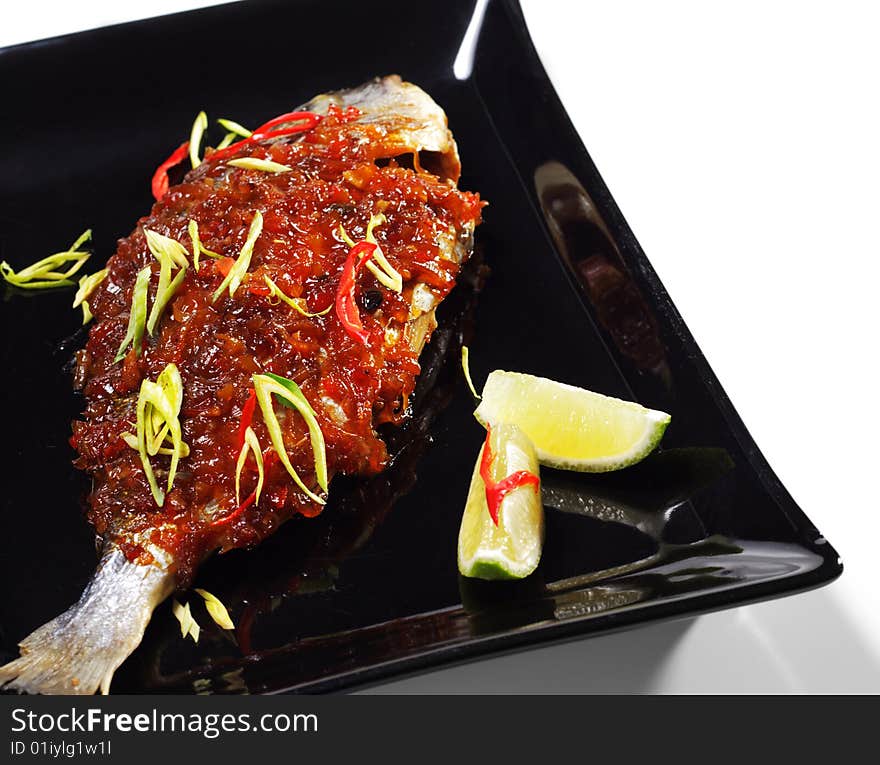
[(512, 549), (572, 428)]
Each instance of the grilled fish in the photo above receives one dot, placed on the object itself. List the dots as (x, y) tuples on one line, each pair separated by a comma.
[(377, 164)]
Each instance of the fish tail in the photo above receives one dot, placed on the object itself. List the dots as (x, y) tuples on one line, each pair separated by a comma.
[(78, 651)]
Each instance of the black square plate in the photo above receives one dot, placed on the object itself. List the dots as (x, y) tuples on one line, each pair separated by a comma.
[(370, 588)]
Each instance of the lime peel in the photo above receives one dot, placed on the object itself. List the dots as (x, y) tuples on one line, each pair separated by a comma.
[(511, 549), (572, 428)]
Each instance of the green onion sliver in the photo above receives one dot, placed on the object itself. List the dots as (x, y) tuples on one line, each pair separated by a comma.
[(131, 440), (343, 234), (147, 389), (49, 284), (297, 401), (290, 395), (172, 390), (81, 240), (295, 303), (465, 367), (216, 609), (378, 264), (137, 318), (158, 430), (227, 140), (165, 248), (169, 253), (266, 165), (251, 444), (242, 263), (235, 128), (47, 273), (195, 138), (163, 397), (198, 247), (87, 285), (188, 625), (47, 269), (164, 293)]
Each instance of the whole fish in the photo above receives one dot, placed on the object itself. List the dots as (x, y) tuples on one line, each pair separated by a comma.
[(251, 335)]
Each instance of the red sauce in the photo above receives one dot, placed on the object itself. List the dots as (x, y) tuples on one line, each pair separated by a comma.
[(218, 346)]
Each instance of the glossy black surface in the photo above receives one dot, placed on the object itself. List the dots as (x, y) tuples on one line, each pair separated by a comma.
[(370, 588)]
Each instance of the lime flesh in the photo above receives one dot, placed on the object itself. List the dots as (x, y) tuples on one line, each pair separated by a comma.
[(572, 428), (512, 549)]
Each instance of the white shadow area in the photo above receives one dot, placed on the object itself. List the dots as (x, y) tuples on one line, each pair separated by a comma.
[(801, 644), (797, 644), (622, 662)]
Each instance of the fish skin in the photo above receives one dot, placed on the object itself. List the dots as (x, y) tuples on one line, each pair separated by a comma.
[(411, 118), (77, 652)]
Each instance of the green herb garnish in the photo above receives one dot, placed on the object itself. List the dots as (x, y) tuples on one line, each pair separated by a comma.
[(137, 318), (239, 269), (254, 163), (49, 272), (289, 394)]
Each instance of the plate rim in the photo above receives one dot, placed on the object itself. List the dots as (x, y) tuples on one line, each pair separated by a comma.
[(612, 621)]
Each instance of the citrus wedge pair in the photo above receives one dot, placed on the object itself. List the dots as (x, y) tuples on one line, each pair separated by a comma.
[(572, 428), (535, 420)]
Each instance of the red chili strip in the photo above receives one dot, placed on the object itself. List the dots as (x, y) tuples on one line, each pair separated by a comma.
[(310, 118), (160, 177), (346, 307), (238, 511), (265, 132), (496, 491), (269, 457), (307, 121), (247, 416)]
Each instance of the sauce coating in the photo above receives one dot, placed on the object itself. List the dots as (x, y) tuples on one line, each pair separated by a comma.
[(341, 173)]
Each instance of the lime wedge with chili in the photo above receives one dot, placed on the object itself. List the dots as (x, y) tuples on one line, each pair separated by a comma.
[(572, 428), (510, 549)]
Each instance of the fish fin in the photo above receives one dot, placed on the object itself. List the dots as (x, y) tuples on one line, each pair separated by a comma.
[(77, 652)]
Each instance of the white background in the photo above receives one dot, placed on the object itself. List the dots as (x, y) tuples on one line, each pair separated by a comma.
[(741, 143)]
